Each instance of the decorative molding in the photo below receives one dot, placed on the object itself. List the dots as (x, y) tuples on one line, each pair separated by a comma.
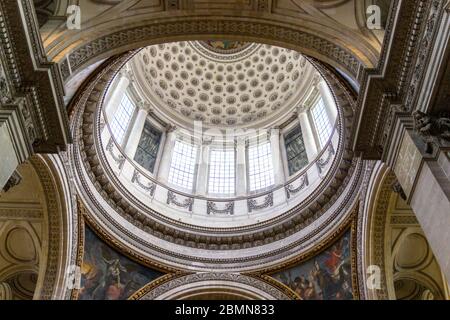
[(323, 162), (290, 189), (200, 26), (34, 85), (21, 214), (397, 188), (120, 159), (153, 292), (150, 187), (404, 220), (186, 204), (54, 229), (252, 204), (389, 92), (212, 207)]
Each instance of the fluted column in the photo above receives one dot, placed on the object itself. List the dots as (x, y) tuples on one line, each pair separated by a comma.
[(113, 101), (202, 170), (241, 174), (135, 133), (166, 157), (328, 100), (307, 133), (276, 156)]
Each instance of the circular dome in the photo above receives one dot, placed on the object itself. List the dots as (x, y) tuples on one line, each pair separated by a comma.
[(193, 229), (221, 83)]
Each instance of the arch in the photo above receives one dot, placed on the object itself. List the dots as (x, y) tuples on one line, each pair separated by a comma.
[(58, 229), (391, 232), (299, 26), (225, 285)]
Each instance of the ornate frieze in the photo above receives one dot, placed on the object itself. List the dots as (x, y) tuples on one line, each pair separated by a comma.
[(82, 55), (324, 161), (186, 203), (290, 189), (270, 290), (149, 187), (267, 202), (212, 208), (32, 84), (119, 159), (391, 98)]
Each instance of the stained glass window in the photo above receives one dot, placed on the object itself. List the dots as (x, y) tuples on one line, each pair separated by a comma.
[(148, 147), (295, 150)]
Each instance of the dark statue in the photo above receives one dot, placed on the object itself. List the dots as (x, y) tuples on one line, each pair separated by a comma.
[(431, 127)]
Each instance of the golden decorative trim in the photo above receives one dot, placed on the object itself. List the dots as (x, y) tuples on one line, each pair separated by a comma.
[(349, 224), (155, 283), (274, 283), (80, 250)]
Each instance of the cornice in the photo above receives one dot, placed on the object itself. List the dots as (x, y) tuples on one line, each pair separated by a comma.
[(37, 89), (391, 90), (154, 291)]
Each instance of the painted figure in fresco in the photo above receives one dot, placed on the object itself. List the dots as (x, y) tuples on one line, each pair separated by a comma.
[(225, 46), (106, 275), (327, 277)]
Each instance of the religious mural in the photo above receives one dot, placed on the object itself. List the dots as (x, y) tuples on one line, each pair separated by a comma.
[(107, 274), (327, 276), (225, 46)]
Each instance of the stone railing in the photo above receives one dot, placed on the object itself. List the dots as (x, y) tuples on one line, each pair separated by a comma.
[(164, 198)]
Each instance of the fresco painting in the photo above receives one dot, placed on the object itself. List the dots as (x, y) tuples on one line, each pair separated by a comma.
[(327, 276), (109, 275)]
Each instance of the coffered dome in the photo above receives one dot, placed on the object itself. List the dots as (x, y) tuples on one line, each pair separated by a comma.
[(221, 83)]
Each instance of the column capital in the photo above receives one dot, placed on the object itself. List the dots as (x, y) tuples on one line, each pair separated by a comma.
[(317, 79), (127, 74), (146, 106), (170, 128), (301, 109), (273, 132)]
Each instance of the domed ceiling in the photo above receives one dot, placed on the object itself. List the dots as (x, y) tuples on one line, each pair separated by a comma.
[(222, 83)]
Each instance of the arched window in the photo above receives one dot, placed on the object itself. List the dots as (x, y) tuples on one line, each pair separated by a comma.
[(260, 166), (182, 167), (122, 119), (221, 171), (322, 122)]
